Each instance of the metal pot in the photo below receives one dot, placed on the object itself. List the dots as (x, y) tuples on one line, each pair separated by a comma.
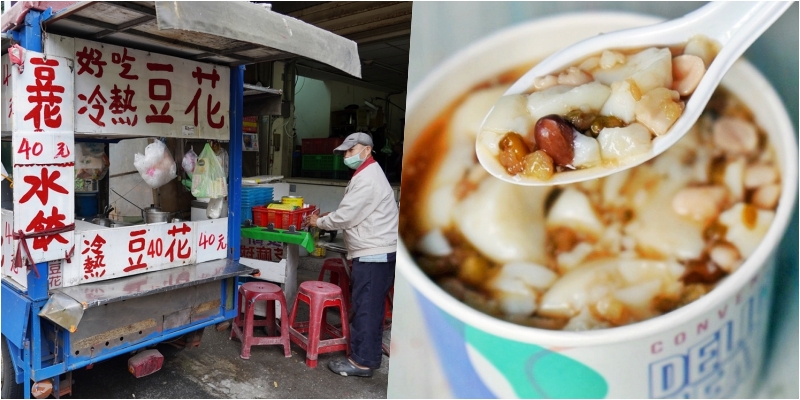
[(151, 217), (146, 210), (102, 221)]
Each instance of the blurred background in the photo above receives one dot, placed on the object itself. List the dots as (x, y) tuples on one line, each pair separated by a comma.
[(440, 29)]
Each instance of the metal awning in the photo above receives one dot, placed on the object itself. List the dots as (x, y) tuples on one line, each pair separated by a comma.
[(219, 32)]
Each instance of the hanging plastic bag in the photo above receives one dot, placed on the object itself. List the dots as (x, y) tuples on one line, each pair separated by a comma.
[(209, 178), (216, 208), (222, 157), (156, 166), (189, 160)]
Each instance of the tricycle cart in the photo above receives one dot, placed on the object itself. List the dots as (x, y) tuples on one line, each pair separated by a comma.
[(76, 293)]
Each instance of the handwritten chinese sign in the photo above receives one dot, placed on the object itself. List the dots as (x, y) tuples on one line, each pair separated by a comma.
[(10, 270), (43, 155), (125, 91), (103, 254)]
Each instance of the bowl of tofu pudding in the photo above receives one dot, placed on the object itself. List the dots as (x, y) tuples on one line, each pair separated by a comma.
[(650, 283)]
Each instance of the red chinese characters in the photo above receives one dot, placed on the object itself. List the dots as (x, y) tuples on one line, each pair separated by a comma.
[(159, 89), (97, 101), (183, 250), (122, 102), (90, 60), (44, 95), (41, 223), (41, 186), (94, 260), (63, 150), (210, 111), (136, 245), (124, 60), (221, 242)]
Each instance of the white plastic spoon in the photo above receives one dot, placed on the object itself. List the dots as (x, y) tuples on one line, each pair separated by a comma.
[(733, 25)]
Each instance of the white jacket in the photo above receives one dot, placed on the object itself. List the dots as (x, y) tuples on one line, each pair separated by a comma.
[(368, 214)]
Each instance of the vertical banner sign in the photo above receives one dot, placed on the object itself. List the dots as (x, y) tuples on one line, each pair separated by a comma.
[(7, 90), (132, 92), (10, 270), (43, 155)]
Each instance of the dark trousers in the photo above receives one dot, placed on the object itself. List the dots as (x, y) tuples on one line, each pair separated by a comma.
[(371, 283)]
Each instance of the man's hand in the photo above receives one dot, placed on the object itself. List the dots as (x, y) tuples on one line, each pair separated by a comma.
[(312, 219)]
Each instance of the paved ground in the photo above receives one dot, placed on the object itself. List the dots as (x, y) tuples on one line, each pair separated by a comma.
[(214, 370)]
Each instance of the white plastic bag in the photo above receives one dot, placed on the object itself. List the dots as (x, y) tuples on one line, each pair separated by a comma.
[(189, 160), (215, 208), (156, 166)]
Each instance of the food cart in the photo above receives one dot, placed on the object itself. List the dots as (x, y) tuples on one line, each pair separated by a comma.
[(75, 293)]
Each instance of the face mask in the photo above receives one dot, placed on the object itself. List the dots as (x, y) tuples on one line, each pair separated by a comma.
[(355, 161)]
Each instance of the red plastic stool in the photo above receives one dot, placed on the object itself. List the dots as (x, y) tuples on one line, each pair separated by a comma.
[(319, 295), (337, 275), (387, 309), (244, 322)]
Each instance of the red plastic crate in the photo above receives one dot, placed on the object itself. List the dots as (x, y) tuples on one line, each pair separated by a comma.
[(320, 146), (281, 219)]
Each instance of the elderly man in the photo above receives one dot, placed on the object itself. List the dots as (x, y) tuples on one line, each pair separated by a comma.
[(368, 216)]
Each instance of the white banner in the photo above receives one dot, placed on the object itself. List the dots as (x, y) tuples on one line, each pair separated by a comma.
[(43, 154), (104, 254), (132, 92)]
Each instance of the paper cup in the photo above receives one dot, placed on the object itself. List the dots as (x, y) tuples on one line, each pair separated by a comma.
[(712, 347)]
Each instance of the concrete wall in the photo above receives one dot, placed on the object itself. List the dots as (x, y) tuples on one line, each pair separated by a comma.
[(129, 185), (312, 109), (315, 100)]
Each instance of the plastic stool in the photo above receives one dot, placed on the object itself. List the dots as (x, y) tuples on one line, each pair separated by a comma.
[(244, 322), (387, 309), (338, 275), (319, 295)]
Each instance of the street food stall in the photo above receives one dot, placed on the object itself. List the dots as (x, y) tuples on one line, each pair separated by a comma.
[(77, 292)]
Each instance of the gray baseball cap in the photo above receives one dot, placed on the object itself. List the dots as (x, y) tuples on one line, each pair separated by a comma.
[(352, 140)]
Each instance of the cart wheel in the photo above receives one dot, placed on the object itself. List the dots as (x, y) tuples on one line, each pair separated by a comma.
[(10, 388)]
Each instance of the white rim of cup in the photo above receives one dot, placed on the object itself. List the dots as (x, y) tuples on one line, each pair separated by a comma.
[(786, 152)]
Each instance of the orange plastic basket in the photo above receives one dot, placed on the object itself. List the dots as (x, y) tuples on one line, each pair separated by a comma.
[(282, 219)]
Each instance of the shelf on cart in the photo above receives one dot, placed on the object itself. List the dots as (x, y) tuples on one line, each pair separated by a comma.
[(100, 293)]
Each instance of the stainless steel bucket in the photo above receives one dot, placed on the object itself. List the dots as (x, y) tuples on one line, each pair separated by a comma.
[(151, 217)]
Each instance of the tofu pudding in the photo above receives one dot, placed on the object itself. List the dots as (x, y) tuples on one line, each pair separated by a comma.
[(597, 254)]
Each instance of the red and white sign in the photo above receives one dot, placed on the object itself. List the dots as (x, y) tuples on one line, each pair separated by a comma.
[(42, 150), (212, 239), (132, 92), (125, 251), (43, 94), (16, 273)]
